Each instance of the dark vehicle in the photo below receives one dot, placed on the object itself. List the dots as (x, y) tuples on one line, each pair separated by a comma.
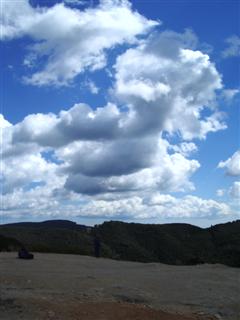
[(24, 254)]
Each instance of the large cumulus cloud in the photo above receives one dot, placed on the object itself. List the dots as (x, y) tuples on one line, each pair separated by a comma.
[(72, 40), (161, 88), (168, 85), (150, 167)]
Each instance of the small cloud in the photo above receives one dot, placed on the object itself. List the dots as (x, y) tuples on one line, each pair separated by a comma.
[(234, 191), (233, 48), (206, 48), (92, 87), (30, 60), (230, 94), (220, 192)]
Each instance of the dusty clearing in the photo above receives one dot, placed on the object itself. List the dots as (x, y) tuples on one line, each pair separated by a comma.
[(64, 287)]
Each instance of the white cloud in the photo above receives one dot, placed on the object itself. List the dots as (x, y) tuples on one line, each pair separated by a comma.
[(39, 202), (72, 40), (3, 122), (232, 164), (167, 86), (80, 122), (26, 170), (92, 87), (115, 177), (104, 169), (220, 192), (146, 90), (92, 158), (159, 206), (15, 20), (188, 206), (234, 191), (185, 148), (111, 160), (113, 150), (233, 48), (232, 168), (230, 94)]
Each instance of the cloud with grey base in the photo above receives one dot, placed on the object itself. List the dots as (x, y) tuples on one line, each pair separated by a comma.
[(161, 87), (233, 47)]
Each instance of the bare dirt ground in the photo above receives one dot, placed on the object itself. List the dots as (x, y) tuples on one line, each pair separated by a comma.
[(64, 287)]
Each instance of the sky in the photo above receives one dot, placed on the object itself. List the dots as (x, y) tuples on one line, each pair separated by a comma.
[(120, 110)]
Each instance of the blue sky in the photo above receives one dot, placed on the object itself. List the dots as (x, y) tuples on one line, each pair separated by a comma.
[(120, 110)]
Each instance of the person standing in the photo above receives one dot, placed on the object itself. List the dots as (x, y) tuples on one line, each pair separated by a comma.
[(97, 246)]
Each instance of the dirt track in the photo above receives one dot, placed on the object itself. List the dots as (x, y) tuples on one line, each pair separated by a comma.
[(72, 287)]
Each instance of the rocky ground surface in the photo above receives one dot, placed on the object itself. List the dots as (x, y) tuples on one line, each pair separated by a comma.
[(64, 287)]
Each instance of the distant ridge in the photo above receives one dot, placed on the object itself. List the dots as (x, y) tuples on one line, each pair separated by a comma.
[(175, 243), (66, 224)]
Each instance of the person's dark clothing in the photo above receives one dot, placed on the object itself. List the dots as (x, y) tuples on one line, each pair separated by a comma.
[(97, 247), (24, 254)]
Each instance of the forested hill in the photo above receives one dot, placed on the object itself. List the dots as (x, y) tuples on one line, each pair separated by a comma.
[(180, 244)]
